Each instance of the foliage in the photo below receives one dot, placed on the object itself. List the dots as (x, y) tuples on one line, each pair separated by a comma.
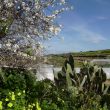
[(68, 93), (13, 79), (16, 101), (19, 79)]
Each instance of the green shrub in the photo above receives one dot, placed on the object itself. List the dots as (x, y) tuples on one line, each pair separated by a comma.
[(20, 90), (13, 79)]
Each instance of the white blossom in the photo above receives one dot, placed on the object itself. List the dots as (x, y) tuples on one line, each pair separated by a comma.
[(57, 30), (27, 24), (8, 44), (10, 4), (63, 1)]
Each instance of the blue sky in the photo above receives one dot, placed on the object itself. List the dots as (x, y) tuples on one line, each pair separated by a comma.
[(85, 28)]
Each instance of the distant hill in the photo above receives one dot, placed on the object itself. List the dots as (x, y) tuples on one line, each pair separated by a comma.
[(86, 53), (58, 59)]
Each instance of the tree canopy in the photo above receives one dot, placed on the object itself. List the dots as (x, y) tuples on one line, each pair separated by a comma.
[(25, 23)]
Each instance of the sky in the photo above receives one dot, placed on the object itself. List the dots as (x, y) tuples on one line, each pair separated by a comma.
[(85, 28)]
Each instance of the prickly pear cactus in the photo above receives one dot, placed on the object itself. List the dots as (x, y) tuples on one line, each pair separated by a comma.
[(95, 77), (68, 78), (71, 62), (90, 79)]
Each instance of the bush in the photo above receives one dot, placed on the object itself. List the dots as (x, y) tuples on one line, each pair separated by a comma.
[(16, 79), (19, 90)]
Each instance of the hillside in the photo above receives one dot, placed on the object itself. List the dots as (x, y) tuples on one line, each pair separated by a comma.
[(58, 59)]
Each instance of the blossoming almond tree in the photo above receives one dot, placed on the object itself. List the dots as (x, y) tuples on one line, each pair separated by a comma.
[(25, 23)]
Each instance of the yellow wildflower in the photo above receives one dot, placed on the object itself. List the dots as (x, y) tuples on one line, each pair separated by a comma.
[(58, 99), (6, 99), (62, 101), (24, 91), (33, 104), (13, 97), (1, 105), (38, 106), (12, 92), (10, 104), (29, 105), (19, 93), (9, 93)]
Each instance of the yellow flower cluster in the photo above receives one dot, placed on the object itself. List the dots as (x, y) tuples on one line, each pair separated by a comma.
[(30, 106), (13, 97), (10, 98)]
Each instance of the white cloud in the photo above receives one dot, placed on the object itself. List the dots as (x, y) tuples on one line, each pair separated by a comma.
[(88, 35), (102, 1), (102, 18), (96, 39)]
